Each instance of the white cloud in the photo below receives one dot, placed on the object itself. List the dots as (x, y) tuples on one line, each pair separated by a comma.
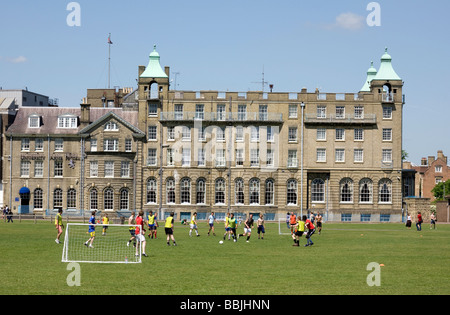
[(20, 59), (349, 21)]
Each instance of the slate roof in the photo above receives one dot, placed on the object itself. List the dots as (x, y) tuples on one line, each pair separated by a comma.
[(49, 119)]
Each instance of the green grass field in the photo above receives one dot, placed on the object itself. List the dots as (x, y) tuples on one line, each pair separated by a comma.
[(414, 263)]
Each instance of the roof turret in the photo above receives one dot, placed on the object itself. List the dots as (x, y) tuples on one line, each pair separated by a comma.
[(371, 73), (154, 69), (386, 71)]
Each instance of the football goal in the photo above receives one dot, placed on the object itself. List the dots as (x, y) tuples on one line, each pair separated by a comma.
[(113, 243), (283, 225)]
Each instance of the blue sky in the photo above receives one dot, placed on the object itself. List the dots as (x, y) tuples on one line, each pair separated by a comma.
[(224, 45)]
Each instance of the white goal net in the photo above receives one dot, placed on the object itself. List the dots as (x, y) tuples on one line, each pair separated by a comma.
[(111, 243), (283, 225)]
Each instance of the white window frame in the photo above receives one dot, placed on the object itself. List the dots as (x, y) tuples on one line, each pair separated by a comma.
[(321, 155), (293, 111), (111, 126), (93, 169), (292, 134), (109, 169), (25, 168), (111, 145), (152, 133), (387, 134), (34, 121), (358, 155), (38, 168), (340, 134), (339, 155), (152, 159), (321, 134), (358, 134), (59, 144), (125, 169), (186, 157), (39, 145)]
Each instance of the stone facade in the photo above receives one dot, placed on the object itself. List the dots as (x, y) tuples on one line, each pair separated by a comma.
[(241, 152)]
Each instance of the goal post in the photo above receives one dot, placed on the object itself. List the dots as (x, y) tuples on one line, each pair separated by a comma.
[(112, 243), (283, 224)]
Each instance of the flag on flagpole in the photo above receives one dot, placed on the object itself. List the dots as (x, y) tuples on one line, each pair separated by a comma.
[(109, 39)]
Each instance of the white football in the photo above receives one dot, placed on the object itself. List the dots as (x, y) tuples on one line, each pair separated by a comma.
[(221, 242)]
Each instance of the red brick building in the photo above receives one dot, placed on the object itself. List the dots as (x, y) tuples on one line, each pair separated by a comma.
[(431, 171)]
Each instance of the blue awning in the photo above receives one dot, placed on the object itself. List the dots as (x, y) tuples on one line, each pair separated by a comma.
[(24, 190)]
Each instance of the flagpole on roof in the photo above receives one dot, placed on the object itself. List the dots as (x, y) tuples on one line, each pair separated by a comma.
[(109, 60)]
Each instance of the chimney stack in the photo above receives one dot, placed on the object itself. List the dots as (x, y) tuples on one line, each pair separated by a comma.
[(85, 119)]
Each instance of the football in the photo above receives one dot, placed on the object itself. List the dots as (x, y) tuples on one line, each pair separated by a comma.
[(221, 242)]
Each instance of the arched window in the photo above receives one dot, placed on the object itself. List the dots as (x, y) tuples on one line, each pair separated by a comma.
[(365, 190), (124, 199), (38, 198), (93, 199), (239, 191), (291, 192), (254, 191), (108, 200), (385, 191), (185, 186), (269, 192), (201, 190), (220, 191), (318, 190), (346, 190), (170, 190), (57, 199), (151, 190), (71, 199)]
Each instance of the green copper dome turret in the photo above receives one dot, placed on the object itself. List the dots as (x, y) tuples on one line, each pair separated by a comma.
[(371, 73), (154, 69), (386, 71)]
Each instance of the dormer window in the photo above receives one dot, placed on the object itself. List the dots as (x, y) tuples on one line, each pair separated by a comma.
[(34, 121), (111, 126), (67, 121)]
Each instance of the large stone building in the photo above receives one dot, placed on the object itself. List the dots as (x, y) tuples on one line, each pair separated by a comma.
[(242, 152)]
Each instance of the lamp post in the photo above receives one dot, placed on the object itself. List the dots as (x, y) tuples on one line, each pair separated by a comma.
[(302, 105), (160, 173)]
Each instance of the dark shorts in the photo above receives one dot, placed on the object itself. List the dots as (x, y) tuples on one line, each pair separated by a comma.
[(310, 232), (169, 231), (299, 233), (152, 227), (319, 224), (211, 225), (133, 232), (261, 229)]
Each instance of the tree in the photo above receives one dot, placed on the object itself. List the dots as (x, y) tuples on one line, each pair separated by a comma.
[(404, 155), (438, 190)]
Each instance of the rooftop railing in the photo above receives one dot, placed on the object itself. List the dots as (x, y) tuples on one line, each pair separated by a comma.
[(344, 119), (217, 117)]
